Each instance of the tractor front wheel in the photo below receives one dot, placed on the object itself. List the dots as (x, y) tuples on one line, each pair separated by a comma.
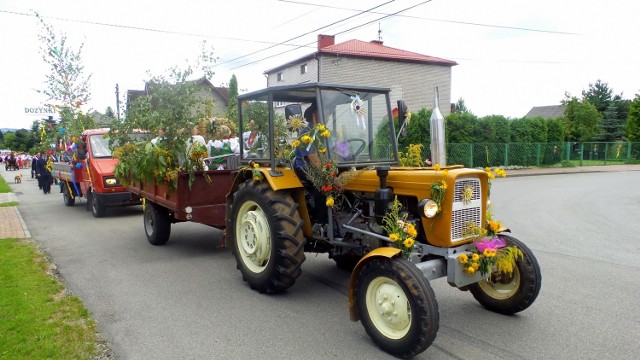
[(397, 306), (509, 294), (268, 243)]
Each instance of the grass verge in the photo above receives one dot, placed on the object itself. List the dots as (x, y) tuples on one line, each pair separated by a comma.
[(38, 318), (4, 188)]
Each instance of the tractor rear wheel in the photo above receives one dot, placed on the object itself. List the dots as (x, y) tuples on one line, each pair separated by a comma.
[(397, 306), (266, 230), (509, 294)]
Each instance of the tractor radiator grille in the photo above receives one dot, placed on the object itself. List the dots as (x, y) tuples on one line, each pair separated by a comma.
[(467, 206)]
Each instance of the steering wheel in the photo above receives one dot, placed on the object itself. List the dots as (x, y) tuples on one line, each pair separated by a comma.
[(360, 148)]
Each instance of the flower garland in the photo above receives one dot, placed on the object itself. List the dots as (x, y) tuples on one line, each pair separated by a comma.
[(327, 177), (439, 188), (401, 233)]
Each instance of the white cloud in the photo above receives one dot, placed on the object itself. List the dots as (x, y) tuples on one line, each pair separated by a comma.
[(501, 70)]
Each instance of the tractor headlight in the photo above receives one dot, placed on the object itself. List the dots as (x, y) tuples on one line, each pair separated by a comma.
[(428, 208)]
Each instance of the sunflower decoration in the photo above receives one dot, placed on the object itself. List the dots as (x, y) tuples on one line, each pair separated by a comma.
[(491, 254), (439, 187), (402, 233), (295, 123), (255, 171), (359, 112), (327, 177)]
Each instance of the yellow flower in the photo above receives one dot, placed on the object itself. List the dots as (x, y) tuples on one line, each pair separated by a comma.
[(475, 257), (463, 259), (475, 266), (255, 166), (445, 172), (411, 230), (306, 139), (322, 151), (494, 226), (487, 169), (469, 270), (408, 243), (330, 201), (443, 184), (325, 133), (320, 127), (489, 253), (256, 178), (436, 167), (295, 143), (394, 237), (491, 176)]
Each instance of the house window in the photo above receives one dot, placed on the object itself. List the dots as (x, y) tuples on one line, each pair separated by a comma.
[(280, 77), (303, 69)]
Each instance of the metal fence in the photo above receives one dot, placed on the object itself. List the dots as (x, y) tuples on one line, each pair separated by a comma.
[(541, 154)]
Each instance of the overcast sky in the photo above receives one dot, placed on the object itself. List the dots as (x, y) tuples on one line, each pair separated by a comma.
[(511, 54)]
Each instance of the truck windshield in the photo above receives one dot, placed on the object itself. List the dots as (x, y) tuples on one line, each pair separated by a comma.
[(100, 144)]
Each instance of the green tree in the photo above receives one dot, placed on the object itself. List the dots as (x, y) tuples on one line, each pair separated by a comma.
[(612, 127), (521, 130), (1, 139), (599, 95), (461, 107), (633, 121), (232, 105), (492, 129), (109, 113), (67, 89), (418, 130), (581, 119), (460, 128), (555, 130)]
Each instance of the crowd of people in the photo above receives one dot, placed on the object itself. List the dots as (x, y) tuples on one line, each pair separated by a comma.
[(41, 166)]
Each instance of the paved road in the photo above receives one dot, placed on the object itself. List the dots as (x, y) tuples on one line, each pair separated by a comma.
[(186, 300)]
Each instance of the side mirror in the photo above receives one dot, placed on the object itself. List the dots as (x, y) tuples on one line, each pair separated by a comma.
[(402, 115), (292, 110)]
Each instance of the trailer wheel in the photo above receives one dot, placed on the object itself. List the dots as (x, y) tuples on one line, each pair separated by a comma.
[(511, 294), (157, 224), (68, 199), (268, 243), (98, 210), (397, 306)]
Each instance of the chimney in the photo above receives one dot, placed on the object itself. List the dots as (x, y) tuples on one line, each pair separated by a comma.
[(325, 40)]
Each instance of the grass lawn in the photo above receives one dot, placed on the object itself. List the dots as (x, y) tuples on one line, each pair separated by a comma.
[(39, 319)]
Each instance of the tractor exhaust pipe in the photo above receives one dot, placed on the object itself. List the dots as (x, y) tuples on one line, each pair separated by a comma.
[(436, 122)]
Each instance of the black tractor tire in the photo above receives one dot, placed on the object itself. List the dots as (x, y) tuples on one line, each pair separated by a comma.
[(397, 306), (266, 232), (97, 209), (69, 200), (157, 224), (511, 294)]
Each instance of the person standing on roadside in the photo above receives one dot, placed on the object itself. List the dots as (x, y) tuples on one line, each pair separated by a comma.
[(34, 160), (43, 175)]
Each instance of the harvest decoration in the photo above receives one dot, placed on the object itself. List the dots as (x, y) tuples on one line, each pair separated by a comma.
[(402, 233), (439, 188), (492, 252), (326, 177)]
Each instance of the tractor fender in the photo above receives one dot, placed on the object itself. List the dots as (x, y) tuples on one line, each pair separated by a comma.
[(387, 252)]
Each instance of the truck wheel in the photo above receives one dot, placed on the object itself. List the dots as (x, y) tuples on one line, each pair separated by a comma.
[(68, 200), (268, 243), (157, 224), (98, 210), (511, 294), (397, 306)]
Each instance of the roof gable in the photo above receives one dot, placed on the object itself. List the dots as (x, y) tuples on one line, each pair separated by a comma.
[(547, 112), (375, 49)]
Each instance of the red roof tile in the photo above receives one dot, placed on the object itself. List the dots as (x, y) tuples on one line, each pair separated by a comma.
[(375, 49)]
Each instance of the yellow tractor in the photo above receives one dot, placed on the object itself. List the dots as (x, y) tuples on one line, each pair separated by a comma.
[(272, 217)]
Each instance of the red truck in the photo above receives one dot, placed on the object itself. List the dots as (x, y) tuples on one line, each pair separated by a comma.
[(91, 175)]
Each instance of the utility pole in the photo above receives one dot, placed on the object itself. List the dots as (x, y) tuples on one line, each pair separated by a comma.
[(118, 102)]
